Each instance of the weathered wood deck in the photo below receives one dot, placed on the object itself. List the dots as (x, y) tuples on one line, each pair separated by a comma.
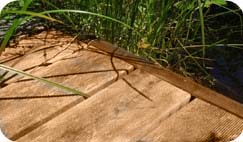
[(127, 104)]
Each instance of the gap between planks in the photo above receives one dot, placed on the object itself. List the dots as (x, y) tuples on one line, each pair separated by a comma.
[(118, 113), (27, 104)]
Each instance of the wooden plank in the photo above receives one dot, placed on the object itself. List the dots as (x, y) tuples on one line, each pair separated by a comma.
[(119, 113), (26, 104), (21, 56), (186, 84), (27, 49), (198, 122)]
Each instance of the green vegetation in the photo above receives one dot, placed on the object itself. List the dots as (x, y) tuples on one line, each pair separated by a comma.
[(181, 35)]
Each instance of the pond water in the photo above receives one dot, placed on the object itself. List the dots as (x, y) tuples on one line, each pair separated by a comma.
[(228, 72), (228, 65)]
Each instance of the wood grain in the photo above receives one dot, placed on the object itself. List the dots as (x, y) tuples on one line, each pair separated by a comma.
[(119, 113), (181, 82), (198, 122), (26, 104)]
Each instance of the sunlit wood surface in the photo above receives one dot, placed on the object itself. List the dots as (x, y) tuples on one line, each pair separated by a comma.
[(126, 104)]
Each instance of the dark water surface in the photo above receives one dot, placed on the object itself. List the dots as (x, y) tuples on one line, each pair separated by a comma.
[(228, 72)]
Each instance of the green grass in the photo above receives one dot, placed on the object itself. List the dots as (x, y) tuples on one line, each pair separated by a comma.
[(177, 34)]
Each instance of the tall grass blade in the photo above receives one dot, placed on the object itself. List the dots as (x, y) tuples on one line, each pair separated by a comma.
[(45, 81), (16, 22), (34, 14), (202, 29), (92, 14)]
